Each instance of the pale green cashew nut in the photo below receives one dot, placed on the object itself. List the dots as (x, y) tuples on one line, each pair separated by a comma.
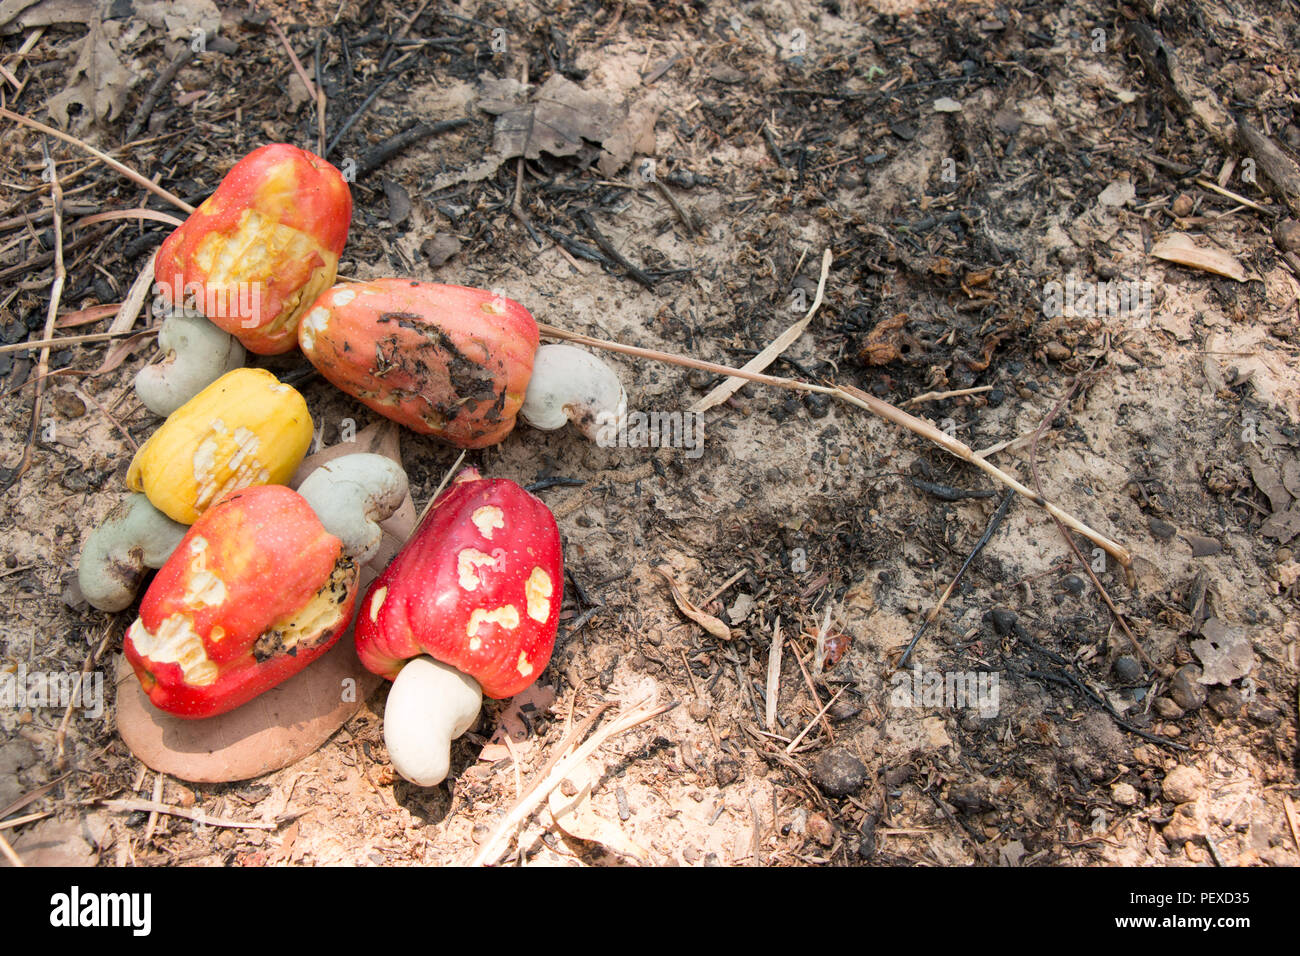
[(351, 495), (135, 536), (198, 353)]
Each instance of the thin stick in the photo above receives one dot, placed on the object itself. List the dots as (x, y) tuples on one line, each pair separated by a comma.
[(199, 816), (52, 314), (29, 818), (979, 546), (489, 851), (938, 396), (813, 723), (65, 341), (126, 171), (723, 586), (1087, 567), (91, 660), (1235, 197), (136, 213), (854, 396), (766, 357), (317, 95), (9, 853), (773, 676)]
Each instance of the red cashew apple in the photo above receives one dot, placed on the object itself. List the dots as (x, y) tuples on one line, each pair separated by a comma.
[(256, 591), (454, 362), (258, 251), (470, 606)]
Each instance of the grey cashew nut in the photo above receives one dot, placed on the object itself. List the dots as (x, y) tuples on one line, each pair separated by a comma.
[(198, 353), (351, 495), (134, 537), (570, 385), (429, 705)]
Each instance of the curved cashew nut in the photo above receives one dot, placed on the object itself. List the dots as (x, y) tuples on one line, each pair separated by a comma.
[(198, 353), (351, 495), (570, 385), (133, 537), (429, 705)]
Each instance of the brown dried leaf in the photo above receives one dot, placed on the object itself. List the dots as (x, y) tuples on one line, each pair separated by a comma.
[(706, 621), (559, 118), (290, 721), (98, 82)]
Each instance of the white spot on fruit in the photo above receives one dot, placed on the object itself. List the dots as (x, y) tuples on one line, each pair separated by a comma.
[(523, 666), (466, 562), (344, 296), (487, 519), (538, 590), (313, 325), (507, 616), (175, 642), (376, 602)]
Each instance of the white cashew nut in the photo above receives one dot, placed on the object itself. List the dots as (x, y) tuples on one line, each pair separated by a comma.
[(570, 385), (134, 536), (429, 706)]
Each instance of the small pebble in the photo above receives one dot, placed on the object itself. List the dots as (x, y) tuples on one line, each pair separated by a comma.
[(1161, 530), (1287, 235), (838, 773), (1125, 795), (1074, 584), (1182, 784), (1004, 620), (1128, 669), (1187, 690), (1183, 205)]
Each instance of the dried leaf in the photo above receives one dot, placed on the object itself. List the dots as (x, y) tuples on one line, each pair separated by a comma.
[(557, 121), (575, 816), (1282, 526), (1225, 652), (533, 700), (98, 82), (1268, 480), (288, 722), (706, 621), (1179, 248)]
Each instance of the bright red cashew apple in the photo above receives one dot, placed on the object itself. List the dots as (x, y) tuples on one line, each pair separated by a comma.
[(469, 607), (260, 586)]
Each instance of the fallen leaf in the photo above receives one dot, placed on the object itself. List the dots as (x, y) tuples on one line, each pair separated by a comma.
[(1268, 480), (706, 621), (19, 15), (946, 104), (55, 843), (559, 117), (98, 82), (181, 18), (1225, 652), (636, 134), (1179, 248), (440, 247), (1282, 526), (575, 816), (290, 721)]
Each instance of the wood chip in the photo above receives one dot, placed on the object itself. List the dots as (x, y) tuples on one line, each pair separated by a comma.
[(1180, 248)]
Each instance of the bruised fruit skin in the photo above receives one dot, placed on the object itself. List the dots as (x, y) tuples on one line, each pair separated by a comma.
[(246, 428), (478, 587), (260, 249), (443, 360), (255, 592)]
